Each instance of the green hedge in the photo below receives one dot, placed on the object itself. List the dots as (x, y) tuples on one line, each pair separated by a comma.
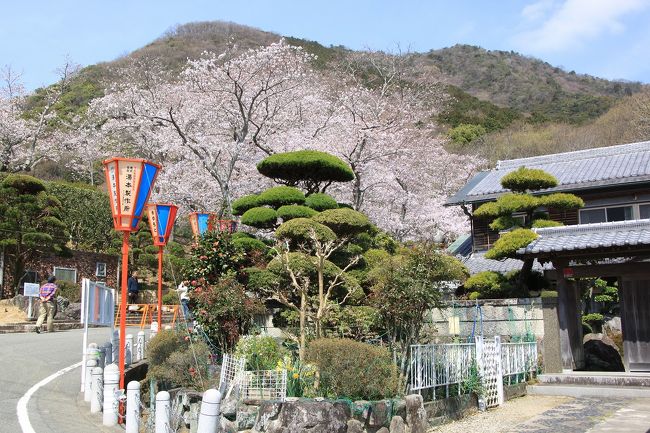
[(488, 284), (528, 179), (249, 244), (305, 164), (260, 217), (292, 211), (320, 202), (242, 204), (354, 370), (280, 196)]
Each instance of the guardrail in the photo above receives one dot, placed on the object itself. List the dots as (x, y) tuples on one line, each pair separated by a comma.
[(145, 314)]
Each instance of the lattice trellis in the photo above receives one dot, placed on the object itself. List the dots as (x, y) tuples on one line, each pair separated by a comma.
[(232, 370), (488, 356), (264, 385)]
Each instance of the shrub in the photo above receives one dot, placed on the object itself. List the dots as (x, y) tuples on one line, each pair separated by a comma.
[(561, 201), (548, 294), (301, 230), (542, 223), (281, 196), (474, 296), (375, 256), (213, 256), (515, 202), (170, 298), (466, 133), (528, 179), (505, 222), (261, 352), (344, 222), (289, 212), (593, 318), (70, 291), (247, 244), (305, 164), (260, 217), (24, 184), (353, 370), (354, 322), (245, 203), (488, 284), (510, 242), (320, 202)]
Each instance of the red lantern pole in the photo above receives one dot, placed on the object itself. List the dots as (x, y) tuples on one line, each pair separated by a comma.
[(123, 302), (160, 263)]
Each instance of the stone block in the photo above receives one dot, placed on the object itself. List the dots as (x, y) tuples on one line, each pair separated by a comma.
[(355, 426), (397, 425), (380, 412), (246, 416), (268, 411), (416, 415)]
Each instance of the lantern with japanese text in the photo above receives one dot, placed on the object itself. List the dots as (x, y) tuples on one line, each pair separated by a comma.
[(200, 222), (161, 221), (130, 182)]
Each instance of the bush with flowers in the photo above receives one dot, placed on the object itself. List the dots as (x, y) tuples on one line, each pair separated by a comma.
[(300, 377)]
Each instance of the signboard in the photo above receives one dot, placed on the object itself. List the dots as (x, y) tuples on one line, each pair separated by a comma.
[(97, 304), (31, 290)]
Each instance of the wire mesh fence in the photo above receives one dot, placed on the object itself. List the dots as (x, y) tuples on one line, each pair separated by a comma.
[(264, 385), (232, 369)]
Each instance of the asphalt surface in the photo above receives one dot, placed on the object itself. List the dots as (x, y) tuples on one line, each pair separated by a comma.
[(28, 358)]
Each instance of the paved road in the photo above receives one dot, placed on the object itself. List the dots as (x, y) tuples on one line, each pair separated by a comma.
[(26, 359)]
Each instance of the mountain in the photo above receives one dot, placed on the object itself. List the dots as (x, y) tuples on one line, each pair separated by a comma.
[(493, 91)]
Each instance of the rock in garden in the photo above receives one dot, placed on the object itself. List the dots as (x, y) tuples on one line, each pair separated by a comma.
[(383, 430), (379, 413), (355, 426), (246, 416), (268, 411), (397, 425), (416, 415), (227, 426), (360, 410), (311, 416), (601, 354)]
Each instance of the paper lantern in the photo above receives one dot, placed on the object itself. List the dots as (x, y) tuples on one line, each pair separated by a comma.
[(161, 221)]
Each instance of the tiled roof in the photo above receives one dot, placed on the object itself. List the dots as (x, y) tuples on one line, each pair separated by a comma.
[(461, 246), (581, 169), (590, 236), (478, 263)]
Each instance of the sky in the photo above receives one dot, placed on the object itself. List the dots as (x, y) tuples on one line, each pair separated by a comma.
[(605, 38)]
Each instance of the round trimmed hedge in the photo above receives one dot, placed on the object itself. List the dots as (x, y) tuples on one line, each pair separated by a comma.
[(344, 221), (528, 179), (320, 201), (305, 165), (301, 229), (508, 244), (242, 204), (292, 211), (249, 244), (561, 201), (24, 183), (260, 217), (280, 196)]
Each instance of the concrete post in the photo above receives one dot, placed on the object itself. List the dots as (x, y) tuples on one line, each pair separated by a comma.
[(210, 411), (163, 408), (101, 356), (111, 383), (139, 347), (96, 390), (108, 353), (91, 353), (90, 364), (128, 351), (133, 407)]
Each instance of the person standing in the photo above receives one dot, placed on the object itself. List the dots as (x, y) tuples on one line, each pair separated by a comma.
[(133, 288), (46, 295)]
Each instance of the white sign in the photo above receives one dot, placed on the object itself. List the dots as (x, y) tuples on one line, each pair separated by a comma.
[(32, 290)]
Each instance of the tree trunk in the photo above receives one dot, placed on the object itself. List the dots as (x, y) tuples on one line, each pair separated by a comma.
[(522, 287), (303, 310), (321, 298)]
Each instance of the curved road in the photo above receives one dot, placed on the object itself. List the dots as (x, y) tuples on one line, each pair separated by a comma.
[(28, 358)]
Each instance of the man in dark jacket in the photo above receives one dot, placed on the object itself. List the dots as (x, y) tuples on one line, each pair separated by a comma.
[(133, 288)]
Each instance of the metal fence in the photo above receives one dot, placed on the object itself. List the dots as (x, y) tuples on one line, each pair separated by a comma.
[(448, 366), (264, 385)]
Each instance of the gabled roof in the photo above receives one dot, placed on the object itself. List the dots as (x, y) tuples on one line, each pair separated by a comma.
[(582, 169), (586, 237), (478, 263)]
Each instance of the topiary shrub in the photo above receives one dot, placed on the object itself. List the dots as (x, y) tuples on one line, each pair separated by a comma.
[(353, 370), (344, 222), (528, 179), (245, 203), (561, 201), (488, 284), (543, 223), (474, 296), (290, 212), (303, 165), (260, 217), (247, 244), (24, 184), (320, 202), (261, 352), (302, 229), (510, 242), (280, 196)]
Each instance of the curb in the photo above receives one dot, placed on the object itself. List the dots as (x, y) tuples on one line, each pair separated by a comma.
[(14, 328)]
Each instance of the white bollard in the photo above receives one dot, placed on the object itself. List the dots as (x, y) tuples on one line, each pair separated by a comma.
[(210, 411), (128, 350), (108, 353), (96, 390), (101, 356), (90, 364), (163, 408), (111, 383), (139, 346), (133, 407)]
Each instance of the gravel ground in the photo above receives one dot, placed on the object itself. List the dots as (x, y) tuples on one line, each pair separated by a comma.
[(504, 418), (10, 313)]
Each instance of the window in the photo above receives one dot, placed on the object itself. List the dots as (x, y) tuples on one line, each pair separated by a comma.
[(609, 214), (66, 274), (100, 269), (644, 211)]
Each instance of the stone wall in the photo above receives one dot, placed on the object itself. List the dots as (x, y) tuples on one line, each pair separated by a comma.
[(504, 317)]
